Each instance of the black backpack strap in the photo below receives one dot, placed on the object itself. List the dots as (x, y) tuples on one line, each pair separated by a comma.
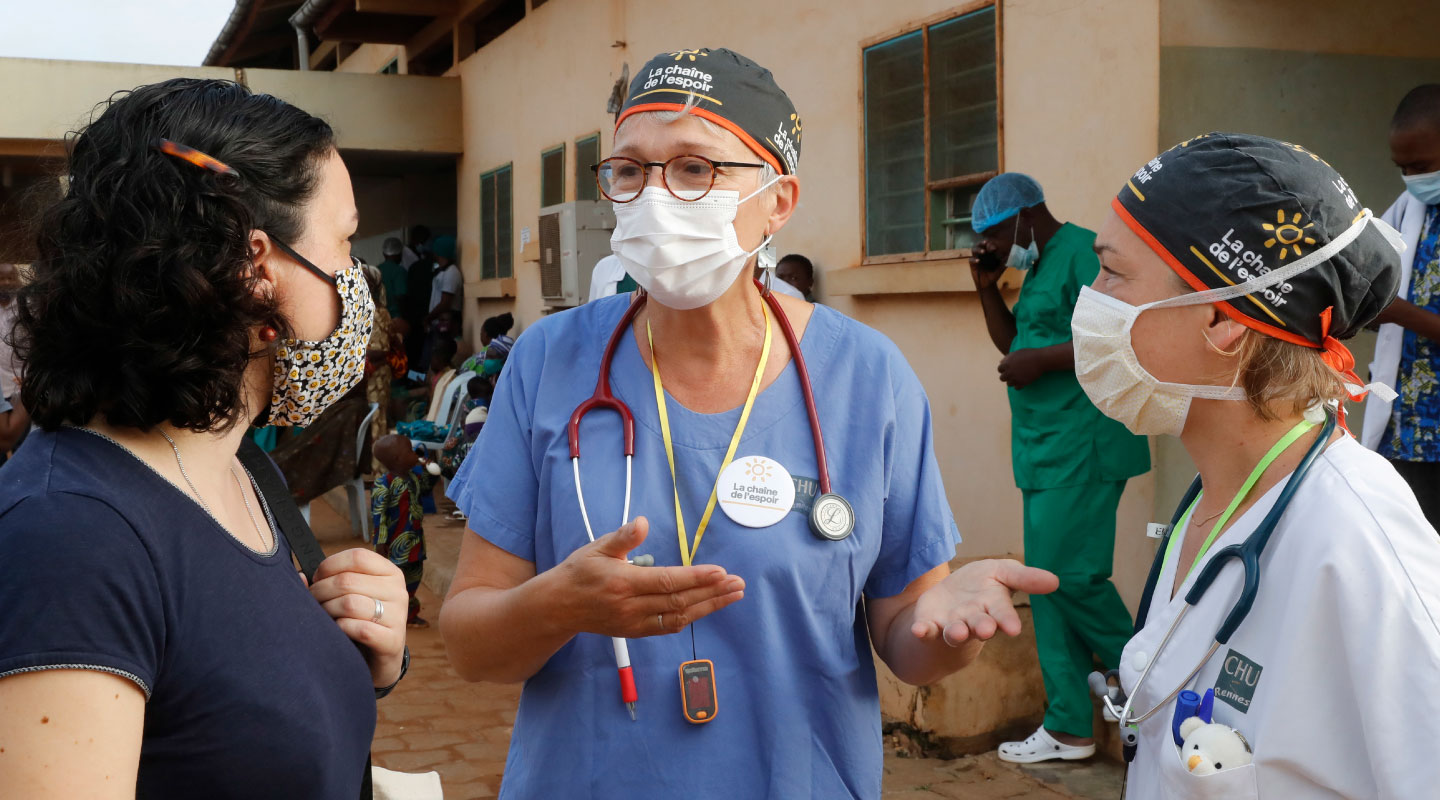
[(294, 528), (287, 515)]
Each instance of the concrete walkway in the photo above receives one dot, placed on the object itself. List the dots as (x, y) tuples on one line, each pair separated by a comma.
[(436, 721)]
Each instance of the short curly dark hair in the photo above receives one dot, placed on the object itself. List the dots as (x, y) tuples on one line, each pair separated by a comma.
[(141, 303)]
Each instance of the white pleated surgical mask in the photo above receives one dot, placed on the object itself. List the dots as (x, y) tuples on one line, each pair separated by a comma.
[(1123, 390), (1113, 378), (685, 254)]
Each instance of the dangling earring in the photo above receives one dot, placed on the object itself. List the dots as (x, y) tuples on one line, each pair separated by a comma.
[(268, 334)]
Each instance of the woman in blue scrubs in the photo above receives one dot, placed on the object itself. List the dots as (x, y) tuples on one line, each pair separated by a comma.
[(725, 474)]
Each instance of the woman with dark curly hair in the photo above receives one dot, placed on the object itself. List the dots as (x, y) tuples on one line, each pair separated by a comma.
[(157, 642)]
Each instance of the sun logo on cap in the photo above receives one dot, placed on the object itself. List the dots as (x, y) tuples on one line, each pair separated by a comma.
[(1289, 235), (1297, 148), (757, 469), (680, 54), (798, 127)]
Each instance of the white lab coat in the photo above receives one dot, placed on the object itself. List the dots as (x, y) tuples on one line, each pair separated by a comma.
[(605, 277), (1340, 653), (1407, 215)]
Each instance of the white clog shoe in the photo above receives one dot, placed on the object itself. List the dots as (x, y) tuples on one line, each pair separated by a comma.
[(1041, 746)]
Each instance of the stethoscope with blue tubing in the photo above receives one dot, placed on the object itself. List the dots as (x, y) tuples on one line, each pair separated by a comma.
[(1248, 553)]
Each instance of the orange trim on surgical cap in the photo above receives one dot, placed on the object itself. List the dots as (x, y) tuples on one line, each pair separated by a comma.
[(713, 117)]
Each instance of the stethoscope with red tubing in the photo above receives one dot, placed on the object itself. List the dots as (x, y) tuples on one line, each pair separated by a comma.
[(831, 516)]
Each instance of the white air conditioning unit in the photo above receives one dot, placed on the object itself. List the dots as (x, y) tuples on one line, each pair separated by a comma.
[(573, 236)]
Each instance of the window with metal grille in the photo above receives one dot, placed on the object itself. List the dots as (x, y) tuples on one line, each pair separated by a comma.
[(587, 154), (932, 133), (552, 176), (497, 258)]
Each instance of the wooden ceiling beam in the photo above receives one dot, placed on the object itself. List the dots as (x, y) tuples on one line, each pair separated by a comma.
[(368, 29), (414, 8), (438, 31), (318, 56), (32, 148), (262, 44)]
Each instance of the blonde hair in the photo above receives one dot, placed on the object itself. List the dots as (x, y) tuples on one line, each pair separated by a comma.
[(1280, 378), (1283, 379)]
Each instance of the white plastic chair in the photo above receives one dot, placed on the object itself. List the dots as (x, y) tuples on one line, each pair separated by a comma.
[(355, 487), (450, 400)]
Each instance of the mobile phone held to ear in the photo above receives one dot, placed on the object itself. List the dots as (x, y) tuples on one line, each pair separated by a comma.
[(989, 261)]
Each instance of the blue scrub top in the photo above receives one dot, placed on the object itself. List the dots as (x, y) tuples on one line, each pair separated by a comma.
[(799, 711)]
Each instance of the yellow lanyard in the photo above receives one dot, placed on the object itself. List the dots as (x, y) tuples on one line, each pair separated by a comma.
[(687, 552)]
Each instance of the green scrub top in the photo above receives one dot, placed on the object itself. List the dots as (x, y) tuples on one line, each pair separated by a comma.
[(1057, 436), (393, 276)]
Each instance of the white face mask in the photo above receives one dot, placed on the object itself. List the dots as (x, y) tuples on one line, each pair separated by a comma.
[(1116, 382), (685, 254), (1023, 258)]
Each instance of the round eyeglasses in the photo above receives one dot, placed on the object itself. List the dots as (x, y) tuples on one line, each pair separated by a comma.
[(687, 178)]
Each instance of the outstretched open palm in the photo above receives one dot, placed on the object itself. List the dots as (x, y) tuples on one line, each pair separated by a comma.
[(973, 602)]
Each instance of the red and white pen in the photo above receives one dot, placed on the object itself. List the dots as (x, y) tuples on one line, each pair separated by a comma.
[(627, 676)]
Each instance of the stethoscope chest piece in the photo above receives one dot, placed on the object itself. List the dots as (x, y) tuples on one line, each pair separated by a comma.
[(831, 517)]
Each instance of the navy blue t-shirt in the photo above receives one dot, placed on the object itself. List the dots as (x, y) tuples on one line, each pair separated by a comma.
[(252, 690)]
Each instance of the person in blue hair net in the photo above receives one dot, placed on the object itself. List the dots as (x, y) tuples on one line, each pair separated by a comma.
[(1070, 461)]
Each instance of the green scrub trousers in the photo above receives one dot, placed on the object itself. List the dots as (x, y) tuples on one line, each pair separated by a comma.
[(1071, 463), (1071, 532)]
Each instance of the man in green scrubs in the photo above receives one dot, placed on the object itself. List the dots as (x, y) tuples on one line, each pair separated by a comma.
[(1071, 462)]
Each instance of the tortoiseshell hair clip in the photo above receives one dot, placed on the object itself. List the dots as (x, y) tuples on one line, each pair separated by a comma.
[(195, 157)]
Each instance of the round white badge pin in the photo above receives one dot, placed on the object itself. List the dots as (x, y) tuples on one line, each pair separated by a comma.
[(755, 491)]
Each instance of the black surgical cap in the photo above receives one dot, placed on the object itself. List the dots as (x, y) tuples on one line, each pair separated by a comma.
[(729, 90), (1224, 208)]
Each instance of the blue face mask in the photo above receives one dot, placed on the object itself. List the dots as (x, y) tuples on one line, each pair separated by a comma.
[(1425, 187), (1023, 258)]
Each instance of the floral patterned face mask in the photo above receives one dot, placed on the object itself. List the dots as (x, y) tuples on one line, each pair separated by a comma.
[(311, 376)]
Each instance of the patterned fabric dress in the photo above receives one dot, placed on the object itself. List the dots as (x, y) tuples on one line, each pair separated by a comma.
[(379, 377), (1414, 430), (399, 523)]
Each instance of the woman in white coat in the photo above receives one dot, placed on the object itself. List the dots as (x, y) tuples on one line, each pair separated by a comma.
[(1230, 269)]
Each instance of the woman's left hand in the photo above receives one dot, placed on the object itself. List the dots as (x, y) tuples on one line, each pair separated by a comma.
[(347, 585), (974, 602)]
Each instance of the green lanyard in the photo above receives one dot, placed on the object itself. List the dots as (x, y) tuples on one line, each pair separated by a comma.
[(1275, 451)]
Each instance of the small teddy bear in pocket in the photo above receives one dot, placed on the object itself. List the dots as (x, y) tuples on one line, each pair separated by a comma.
[(1211, 747)]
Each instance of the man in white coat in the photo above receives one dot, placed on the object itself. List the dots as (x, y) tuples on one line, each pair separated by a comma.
[(1407, 352)]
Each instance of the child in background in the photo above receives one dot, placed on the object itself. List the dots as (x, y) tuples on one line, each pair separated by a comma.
[(397, 512), (478, 391)]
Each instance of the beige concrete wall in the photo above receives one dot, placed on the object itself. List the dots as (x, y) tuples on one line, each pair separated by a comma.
[(408, 113), (1081, 88), (1324, 73), (1080, 98), (1402, 28), (44, 99)]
